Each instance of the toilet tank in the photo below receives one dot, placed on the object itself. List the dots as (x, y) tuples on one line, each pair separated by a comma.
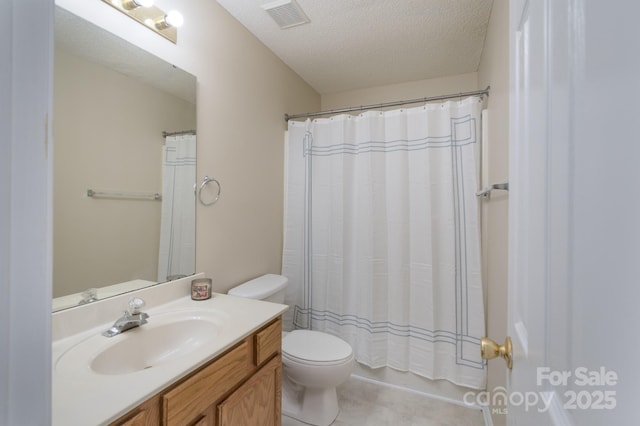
[(269, 287)]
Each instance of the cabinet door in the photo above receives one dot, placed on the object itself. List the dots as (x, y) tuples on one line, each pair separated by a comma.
[(257, 401), (147, 414)]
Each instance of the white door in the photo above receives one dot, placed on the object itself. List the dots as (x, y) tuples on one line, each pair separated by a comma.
[(531, 175), (574, 243)]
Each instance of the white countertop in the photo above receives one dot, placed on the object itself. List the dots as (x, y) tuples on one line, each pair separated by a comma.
[(83, 397)]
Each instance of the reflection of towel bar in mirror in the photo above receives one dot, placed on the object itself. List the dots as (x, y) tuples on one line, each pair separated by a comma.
[(486, 192), (207, 180), (124, 195)]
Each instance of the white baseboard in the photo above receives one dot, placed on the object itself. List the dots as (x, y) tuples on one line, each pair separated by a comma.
[(442, 390), (486, 414)]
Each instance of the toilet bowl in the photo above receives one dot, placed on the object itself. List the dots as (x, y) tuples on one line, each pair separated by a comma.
[(313, 363)]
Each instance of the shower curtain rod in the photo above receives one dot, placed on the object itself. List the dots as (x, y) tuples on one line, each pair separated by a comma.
[(484, 92), (183, 132)]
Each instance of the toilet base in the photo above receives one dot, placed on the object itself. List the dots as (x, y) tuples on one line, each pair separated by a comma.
[(314, 406)]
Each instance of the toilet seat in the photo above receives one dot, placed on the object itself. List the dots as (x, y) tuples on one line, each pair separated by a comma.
[(315, 348)]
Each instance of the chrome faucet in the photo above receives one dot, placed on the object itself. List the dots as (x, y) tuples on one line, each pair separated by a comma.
[(130, 319), (88, 296)]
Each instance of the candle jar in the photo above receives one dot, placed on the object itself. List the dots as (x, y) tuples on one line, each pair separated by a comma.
[(201, 289)]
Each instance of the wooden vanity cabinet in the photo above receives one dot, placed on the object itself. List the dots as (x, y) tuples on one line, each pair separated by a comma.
[(148, 413), (240, 387)]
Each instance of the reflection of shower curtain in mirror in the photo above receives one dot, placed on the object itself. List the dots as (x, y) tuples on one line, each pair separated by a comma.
[(177, 226), (381, 239)]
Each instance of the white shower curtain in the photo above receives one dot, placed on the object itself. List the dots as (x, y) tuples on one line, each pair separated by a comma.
[(382, 237), (178, 226)]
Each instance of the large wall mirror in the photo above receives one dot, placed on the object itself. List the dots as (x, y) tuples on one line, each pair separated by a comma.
[(112, 103)]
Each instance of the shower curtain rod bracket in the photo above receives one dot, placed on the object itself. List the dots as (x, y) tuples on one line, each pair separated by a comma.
[(486, 192)]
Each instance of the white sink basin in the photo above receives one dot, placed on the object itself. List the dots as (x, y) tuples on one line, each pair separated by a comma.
[(165, 338)]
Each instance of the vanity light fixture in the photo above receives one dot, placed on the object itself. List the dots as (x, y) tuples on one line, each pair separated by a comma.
[(132, 4), (150, 16)]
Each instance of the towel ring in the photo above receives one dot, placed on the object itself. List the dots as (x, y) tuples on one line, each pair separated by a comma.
[(206, 181)]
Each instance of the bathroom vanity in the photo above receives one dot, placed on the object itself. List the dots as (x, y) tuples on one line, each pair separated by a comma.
[(242, 386), (212, 362)]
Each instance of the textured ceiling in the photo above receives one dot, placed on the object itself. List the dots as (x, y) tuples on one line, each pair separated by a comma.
[(83, 39), (353, 44)]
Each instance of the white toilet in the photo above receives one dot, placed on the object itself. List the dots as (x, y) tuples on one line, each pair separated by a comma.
[(313, 363)]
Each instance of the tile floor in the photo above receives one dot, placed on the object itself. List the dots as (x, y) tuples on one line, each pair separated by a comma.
[(363, 403)]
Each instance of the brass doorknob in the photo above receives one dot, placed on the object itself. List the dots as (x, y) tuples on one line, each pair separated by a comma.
[(490, 349)]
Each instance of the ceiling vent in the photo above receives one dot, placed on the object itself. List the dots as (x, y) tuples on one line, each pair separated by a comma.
[(286, 13)]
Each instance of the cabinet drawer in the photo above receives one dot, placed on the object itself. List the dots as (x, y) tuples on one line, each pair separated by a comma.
[(186, 401), (267, 342)]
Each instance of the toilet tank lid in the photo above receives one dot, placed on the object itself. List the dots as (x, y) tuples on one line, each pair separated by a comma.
[(261, 287)]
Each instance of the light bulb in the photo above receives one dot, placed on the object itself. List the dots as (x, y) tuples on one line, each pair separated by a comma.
[(174, 18), (134, 4), (144, 3)]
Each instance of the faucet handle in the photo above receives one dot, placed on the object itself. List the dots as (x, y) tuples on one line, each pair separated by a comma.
[(135, 305)]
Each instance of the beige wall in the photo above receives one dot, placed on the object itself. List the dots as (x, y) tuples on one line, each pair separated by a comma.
[(244, 90), (108, 136), (401, 91), (494, 71)]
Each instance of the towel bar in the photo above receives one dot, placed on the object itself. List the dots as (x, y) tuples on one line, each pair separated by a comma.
[(124, 195)]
